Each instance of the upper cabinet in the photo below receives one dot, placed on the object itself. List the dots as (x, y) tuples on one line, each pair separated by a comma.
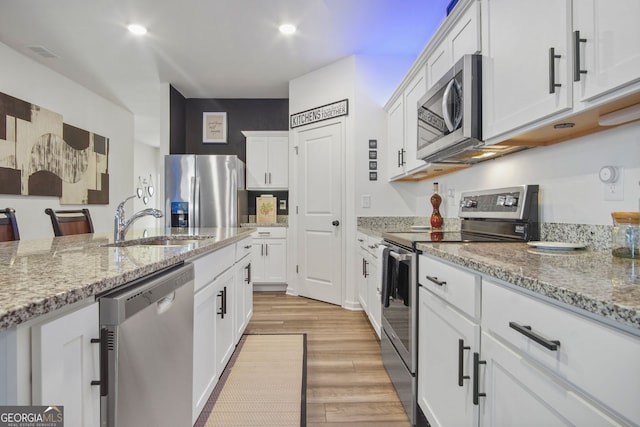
[(267, 160), (463, 38), (402, 128), (606, 46), (552, 59), (525, 71)]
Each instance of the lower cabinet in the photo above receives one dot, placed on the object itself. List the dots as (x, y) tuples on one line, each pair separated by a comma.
[(225, 336), (374, 291), (65, 362), (445, 344), (269, 255), (517, 393), (243, 289)]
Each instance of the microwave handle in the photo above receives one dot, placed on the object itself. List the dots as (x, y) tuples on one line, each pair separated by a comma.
[(445, 101)]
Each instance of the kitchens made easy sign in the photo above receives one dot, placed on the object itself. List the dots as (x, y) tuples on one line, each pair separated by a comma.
[(325, 112)]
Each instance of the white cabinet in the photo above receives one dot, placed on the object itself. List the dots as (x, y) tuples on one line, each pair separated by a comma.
[(448, 334), (445, 344), (213, 324), (550, 357), (550, 57), (402, 130), (65, 362), (225, 336), (243, 287), (267, 159), (525, 47), (518, 393), (362, 271), (462, 38), (269, 255), (374, 291), (204, 346), (610, 50)]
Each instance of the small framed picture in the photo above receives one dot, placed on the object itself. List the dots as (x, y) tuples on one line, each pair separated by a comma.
[(373, 143), (373, 154), (214, 128), (373, 166), (373, 176)]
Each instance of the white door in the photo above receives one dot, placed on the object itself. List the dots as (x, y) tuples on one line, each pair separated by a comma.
[(319, 184)]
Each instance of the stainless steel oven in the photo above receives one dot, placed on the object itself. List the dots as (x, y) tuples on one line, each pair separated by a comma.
[(398, 336)]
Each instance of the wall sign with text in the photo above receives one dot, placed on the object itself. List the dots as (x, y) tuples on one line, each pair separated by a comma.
[(318, 114)]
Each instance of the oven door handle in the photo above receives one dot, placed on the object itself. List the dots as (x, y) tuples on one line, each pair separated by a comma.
[(399, 257)]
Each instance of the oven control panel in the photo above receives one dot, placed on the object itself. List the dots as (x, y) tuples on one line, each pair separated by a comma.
[(500, 203)]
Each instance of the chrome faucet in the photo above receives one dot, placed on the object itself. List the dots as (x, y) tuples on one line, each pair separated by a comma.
[(121, 225)]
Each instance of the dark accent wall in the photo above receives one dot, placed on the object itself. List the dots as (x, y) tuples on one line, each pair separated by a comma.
[(242, 114), (177, 125), (280, 195)]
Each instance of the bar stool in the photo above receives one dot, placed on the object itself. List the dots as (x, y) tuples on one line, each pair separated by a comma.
[(8, 225), (67, 222)]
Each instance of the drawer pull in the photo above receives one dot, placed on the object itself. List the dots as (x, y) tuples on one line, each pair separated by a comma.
[(436, 281), (461, 349), (527, 332), (476, 378)]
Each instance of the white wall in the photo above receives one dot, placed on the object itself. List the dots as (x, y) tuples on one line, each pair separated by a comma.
[(29, 81), (367, 81), (570, 191)]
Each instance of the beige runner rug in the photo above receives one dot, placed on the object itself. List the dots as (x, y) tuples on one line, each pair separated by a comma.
[(264, 384)]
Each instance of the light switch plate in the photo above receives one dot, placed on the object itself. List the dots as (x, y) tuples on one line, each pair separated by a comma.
[(614, 191)]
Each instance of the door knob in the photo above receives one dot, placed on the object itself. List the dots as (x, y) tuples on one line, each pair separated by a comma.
[(335, 222)]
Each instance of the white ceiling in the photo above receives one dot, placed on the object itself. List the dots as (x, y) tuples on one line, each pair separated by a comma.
[(208, 48)]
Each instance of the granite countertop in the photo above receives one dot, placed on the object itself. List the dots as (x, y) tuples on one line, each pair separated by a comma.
[(256, 225), (593, 281), (39, 276)]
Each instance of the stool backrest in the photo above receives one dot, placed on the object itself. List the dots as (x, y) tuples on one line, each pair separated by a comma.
[(8, 225), (67, 222)]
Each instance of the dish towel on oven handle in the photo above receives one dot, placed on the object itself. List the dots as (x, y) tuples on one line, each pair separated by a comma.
[(386, 264)]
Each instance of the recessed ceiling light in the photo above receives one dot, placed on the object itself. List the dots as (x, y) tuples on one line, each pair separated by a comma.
[(137, 29), (287, 28)]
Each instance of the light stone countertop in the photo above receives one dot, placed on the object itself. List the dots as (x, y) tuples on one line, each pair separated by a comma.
[(594, 281), (39, 276)]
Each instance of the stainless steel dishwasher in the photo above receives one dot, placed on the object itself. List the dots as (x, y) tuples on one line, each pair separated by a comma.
[(147, 351)]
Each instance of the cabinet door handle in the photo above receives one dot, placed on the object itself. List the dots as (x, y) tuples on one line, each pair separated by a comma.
[(399, 159), (576, 56), (363, 272), (402, 157), (248, 247), (476, 377), (552, 70), (221, 295), (461, 349), (527, 332), (265, 178), (266, 249), (269, 177), (224, 300), (106, 342), (366, 270), (261, 249), (248, 278), (436, 281)]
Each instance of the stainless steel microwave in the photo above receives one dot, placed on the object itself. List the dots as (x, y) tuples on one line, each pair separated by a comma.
[(450, 113)]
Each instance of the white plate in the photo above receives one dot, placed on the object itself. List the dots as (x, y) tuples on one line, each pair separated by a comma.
[(560, 246), (421, 227)]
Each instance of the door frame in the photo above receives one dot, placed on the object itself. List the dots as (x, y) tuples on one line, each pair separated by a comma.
[(292, 235)]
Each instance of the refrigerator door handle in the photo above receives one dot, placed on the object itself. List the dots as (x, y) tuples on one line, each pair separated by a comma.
[(196, 198)]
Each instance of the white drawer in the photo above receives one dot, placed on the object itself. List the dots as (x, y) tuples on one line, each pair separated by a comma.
[(458, 287), (601, 360), (211, 265), (243, 248), (270, 233)]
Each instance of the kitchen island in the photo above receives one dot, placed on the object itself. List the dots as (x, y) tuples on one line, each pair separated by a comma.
[(40, 276)]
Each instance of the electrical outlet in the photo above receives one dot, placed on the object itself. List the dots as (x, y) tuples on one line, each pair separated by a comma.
[(366, 201), (614, 191)]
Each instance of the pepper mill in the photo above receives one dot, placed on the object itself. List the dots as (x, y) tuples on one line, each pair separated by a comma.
[(436, 200)]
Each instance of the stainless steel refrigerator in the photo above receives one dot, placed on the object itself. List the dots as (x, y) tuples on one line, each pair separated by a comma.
[(204, 191)]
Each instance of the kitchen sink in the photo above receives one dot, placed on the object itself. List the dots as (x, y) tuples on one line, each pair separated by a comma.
[(161, 241)]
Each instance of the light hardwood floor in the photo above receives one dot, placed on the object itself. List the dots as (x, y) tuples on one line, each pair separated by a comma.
[(347, 384)]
